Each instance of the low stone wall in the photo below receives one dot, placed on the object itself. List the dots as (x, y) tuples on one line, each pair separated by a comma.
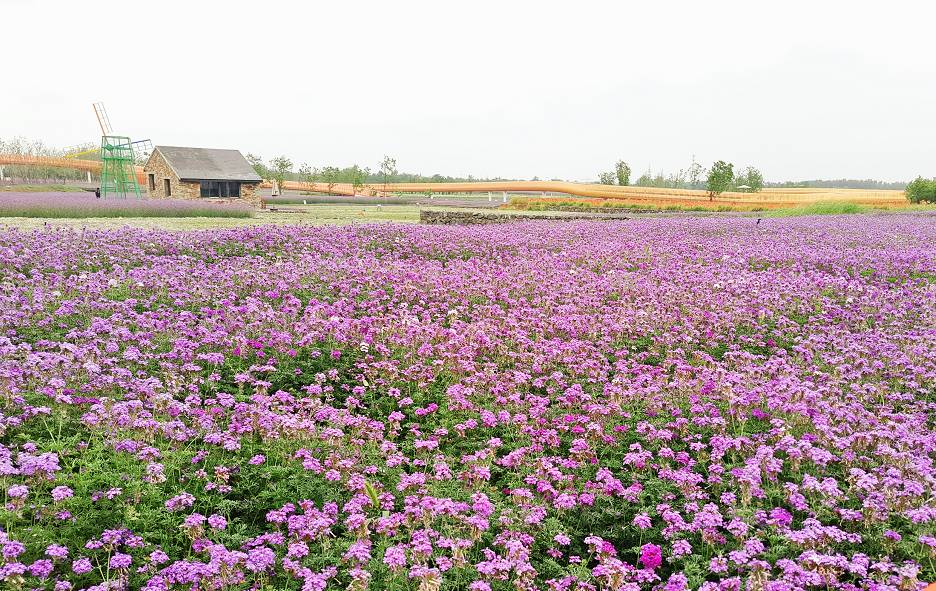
[(442, 217)]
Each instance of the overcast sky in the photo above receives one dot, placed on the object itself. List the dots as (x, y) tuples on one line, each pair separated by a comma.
[(811, 89)]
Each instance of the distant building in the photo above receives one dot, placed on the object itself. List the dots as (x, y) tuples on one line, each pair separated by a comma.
[(200, 173)]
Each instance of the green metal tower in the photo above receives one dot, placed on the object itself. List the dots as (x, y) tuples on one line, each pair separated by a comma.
[(118, 171)]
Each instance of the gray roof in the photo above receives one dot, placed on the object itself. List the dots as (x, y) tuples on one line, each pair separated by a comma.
[(192, 164)]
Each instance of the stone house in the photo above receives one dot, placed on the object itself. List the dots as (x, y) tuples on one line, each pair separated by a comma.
[(174, 172)]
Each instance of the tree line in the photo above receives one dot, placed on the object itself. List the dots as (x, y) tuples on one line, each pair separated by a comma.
[(871, 184), (21, 146), (282, 168), (718, 178)]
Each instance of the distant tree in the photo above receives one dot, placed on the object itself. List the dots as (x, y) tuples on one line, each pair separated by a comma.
[(606, 178), (388, 169), (358, 176), (751, 177), (307, 174), (841, 184), (623, 171), (646, 179), (921, 190), (329, 176), (259, 167), (280, 167), (677, 179), (695, 173), (719, 180)]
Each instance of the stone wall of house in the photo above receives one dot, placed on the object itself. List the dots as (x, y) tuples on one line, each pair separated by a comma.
[(250, 192), (157, 166)]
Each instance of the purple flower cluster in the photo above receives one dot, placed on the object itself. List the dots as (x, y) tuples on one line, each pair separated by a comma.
[(651, 404), (85, 205)]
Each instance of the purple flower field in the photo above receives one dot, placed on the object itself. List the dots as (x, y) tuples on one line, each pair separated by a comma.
[(650, 404), (85, 205)]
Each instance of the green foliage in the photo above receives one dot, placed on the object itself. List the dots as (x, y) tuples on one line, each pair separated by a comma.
[(921, 190), (329, 176), (388, 169), (606, 178), (751, 177), (307, 174), (647, 179), (259, 167), (358, 177), (623, 171), (828, 208), (279, 168), (676, 180), (719, 179), (840, 184)]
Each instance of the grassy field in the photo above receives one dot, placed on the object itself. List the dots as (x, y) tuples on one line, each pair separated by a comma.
[(844, 207), (316, 215)]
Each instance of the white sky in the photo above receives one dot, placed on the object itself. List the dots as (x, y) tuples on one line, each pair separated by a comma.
[(801, 89)]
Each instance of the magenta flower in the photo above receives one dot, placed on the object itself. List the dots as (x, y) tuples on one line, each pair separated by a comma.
[(60, 493), (651, 556), (81, 566), (57, 552), (217, 522), (179, 502), (41, 569), (120, 561), (17, 491), (260, 559)]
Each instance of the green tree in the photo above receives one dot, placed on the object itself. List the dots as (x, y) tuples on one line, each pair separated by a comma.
[(280, 167), (751, 177), (358, 176), (921, 190), (388, 170), (623, 171), (259, 167), (329, 176), (719, 180), (606, 178), (646, 179), (307, 174)]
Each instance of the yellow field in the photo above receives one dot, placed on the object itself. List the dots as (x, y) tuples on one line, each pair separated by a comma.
[(648, 196), (766, 199)]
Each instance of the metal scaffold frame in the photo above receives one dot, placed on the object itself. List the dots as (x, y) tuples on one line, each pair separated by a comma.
[(118, 172)]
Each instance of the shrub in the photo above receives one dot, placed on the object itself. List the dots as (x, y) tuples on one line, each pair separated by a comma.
[(921, 190)]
